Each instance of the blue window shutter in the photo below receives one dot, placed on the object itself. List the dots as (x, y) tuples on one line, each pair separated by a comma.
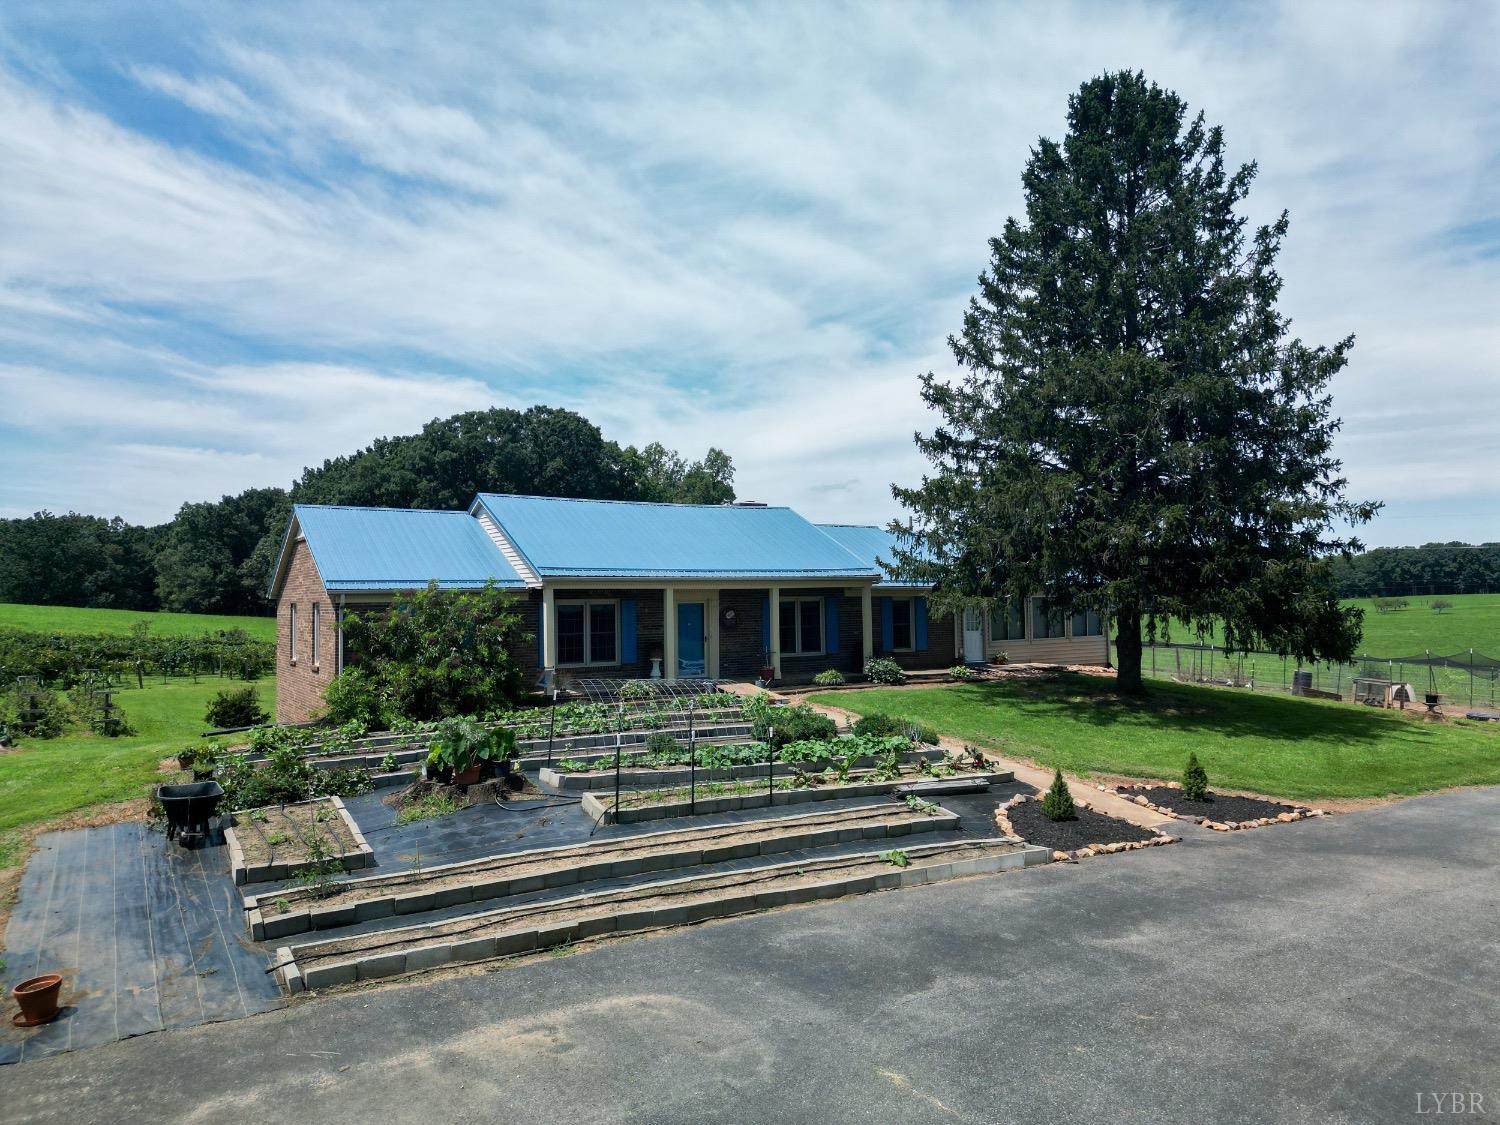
[(627, 631), (765, 624), (831, 624), (919, 611), (887, 626), (541, 628)]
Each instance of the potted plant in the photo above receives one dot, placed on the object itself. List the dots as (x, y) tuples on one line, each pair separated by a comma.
[(767, 670), (462, 748), (37, 997)]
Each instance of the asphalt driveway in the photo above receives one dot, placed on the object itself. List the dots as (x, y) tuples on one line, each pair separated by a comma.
[(1332, 970)]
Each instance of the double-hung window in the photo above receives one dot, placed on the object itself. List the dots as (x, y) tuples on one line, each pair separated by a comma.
[(291, 639), (903, 625), (1046, 620), (1087, 623), (1006, 623), (316, 640), (801, 626), (588, 633)]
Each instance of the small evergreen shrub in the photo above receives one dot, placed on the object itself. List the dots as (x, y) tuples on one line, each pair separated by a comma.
[(884, 670), (829, 677), (238, 707), (1057, 804), (1194, 780)]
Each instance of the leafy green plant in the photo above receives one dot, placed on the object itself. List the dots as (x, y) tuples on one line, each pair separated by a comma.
[(896, 858), (921, 804), (389, 764), (460, 744), (878, 723), (1057, 803), (236, 707), (962, 672), (778, 726), (660, 742), (439, 653), (884, 670), (829, 677), (1194, 780), (318, 876)]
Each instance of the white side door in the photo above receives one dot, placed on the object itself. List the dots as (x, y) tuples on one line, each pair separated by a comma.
[(973, 635)]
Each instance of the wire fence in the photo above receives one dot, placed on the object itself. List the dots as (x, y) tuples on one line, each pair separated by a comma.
[(1464, 679)]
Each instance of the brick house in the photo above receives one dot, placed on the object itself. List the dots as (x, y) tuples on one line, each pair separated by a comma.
[(619, 589)]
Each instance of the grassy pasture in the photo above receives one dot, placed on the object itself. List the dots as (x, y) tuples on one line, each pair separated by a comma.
[(68, 619)]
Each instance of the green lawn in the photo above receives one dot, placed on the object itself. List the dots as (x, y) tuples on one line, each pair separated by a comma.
[(66, 619), (48, 779), (1266, 743)]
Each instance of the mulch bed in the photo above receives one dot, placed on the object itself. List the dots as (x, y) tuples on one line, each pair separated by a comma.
[(481, 793), (1221, 811), (1031, 824)]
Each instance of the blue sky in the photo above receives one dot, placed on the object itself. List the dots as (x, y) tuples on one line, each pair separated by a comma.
[(238, 239)]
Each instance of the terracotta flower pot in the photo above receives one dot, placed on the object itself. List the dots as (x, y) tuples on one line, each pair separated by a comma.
[(38, 1000), (470, 775)]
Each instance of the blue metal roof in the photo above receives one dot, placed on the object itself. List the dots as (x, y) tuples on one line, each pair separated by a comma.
[(872, 545), (400, 548), (604, 538)]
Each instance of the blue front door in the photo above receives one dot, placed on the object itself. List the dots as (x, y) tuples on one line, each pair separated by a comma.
[(690, 660)]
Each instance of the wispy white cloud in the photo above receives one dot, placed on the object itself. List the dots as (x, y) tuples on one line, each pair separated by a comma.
[(745, 225)]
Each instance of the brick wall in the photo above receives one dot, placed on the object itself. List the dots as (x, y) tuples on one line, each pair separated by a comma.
[(300, 686)]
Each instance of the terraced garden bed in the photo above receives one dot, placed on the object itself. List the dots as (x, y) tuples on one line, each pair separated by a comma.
[(577, 776), (282, 913), (522, 929), (283, 841), (729, 796)]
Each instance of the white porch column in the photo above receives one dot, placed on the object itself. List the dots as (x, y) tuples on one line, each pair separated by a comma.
[(549, 629), (867, 621), (669, 633), (775, 596)]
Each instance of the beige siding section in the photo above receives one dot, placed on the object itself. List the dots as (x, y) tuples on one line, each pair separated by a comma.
[(1054, 650)]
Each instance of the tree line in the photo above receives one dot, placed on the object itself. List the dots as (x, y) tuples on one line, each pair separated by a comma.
[(216, 556), (1433, 568)]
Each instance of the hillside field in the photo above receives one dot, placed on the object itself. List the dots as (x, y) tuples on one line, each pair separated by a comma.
[(1473, 622), (67, 619)]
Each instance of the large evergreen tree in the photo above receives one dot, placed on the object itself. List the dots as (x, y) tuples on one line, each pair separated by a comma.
[(1133, 430)]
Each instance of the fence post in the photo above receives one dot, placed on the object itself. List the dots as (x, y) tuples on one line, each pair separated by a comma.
[(1471, 677), (692, 761), (771, 770), (619, 742), (551, 724)]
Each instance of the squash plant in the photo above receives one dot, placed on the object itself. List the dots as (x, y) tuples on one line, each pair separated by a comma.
[(459, 745)]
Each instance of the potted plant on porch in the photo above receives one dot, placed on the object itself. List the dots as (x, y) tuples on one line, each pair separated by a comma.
[(462, 749), (767, 669)]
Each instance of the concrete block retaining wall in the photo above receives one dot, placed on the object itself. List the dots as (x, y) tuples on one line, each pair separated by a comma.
[(264, 925), (361, 857), (601, 807), (525, 939)]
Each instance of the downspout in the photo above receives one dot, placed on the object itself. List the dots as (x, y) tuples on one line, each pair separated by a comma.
[(338, 660)]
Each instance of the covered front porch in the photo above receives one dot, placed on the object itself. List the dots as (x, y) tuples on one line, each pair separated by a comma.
[(717, 630)]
